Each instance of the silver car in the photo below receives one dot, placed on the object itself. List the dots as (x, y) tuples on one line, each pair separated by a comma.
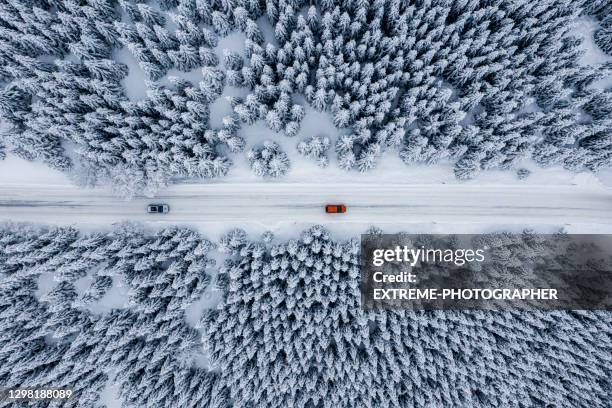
[(158, 208)]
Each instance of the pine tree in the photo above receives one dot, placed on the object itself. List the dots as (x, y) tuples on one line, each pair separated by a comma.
[(268, 160), (315, 148)]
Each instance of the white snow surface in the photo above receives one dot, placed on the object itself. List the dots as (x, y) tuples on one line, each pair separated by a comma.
[(134, 83), (109, 397), (585, 27), (269, 205)]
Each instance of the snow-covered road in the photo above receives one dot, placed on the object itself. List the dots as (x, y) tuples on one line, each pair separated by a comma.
[(270, 203)]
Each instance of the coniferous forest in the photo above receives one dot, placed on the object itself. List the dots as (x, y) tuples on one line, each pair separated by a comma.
[(482, 84), (289, 330), (479, 84)]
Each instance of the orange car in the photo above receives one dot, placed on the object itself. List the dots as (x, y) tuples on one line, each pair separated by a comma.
[(335, 208)]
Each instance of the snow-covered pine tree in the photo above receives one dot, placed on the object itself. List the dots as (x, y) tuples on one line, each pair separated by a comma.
[(307, 291), (146, 349), (467, 76), (268, 160), (315, 148)]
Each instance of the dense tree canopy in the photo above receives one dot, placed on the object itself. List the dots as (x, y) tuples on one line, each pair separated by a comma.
[(483, 84), (289, 330)]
